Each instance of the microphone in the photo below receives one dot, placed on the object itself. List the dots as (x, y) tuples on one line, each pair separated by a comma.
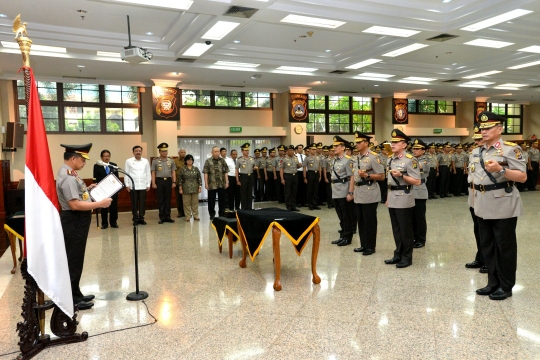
[(101, 163)]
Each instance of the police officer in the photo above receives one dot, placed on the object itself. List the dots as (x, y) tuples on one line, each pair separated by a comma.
[(433, 163), (367, 170), (245, 167), (270, 176), (497, 203), (534, 157), (403, 174), (76, 216), (383, 184), (460, 163), (301, 199), (420, 194), (164, 180), (312, 177), (263, 179), (521, 186), (322, 185), (326, 166), (445, 167), (256, 182), (343, 191), (289, 175), (279, 185)]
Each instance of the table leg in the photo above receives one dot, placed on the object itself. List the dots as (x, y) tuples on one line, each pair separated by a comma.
[(230, 238), (20, 250), (242, 262), (276, 236), (314, 253), (13, 246), (219, 246)]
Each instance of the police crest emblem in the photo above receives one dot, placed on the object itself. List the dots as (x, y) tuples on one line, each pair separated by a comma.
[(165, 103), (299, 110)]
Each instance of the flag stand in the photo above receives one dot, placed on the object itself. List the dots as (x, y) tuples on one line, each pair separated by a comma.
[(31, 330)]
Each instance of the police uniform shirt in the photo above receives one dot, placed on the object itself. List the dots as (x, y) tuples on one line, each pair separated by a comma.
[(270, 164), (260, 162), (341, 169), (445, 159), (371, 164), (163, 168), (288, 164), (432, 160), (70, 186), (459, 159), (384, 160), (408, 165), (312, 163), (534, 154), (245, 165), (471, 165), (421, 191), (498, 203)]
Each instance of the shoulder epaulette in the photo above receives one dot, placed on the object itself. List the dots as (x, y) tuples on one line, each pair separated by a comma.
[(70, 172), (347, 157), (409, 156), (510, 143)]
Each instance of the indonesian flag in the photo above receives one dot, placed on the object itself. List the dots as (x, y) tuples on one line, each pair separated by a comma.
[(44, 239)]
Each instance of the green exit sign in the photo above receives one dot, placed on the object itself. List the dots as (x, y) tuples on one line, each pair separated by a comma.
[(235, 129), (437, 131)]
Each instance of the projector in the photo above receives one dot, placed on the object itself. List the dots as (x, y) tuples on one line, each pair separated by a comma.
[(136, 55)]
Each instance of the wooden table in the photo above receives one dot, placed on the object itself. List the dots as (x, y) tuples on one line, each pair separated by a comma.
[(13, 236)]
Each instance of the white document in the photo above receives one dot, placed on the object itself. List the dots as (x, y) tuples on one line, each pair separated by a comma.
[(106, 188)]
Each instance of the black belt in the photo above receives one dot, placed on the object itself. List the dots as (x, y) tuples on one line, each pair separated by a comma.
[(400, 187), (423, 181), (501, 185), (444, 165), (340, 181), (244, 174), (362, 183), (289, 174), (77, 212), (315, 171), (161, 178)]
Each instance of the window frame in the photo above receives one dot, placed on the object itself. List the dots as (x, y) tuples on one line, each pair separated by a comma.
[(213, 105), (505, 115), (436, 105)]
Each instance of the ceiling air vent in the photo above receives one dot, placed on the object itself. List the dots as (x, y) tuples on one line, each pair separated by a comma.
[(186, 60), (233, 86), (450, 81), (435, 96), (443, 37), (508, 99), (240, 11), (79, 77), (348, 92), (338, 72)]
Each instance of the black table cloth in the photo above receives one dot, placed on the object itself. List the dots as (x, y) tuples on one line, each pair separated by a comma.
[(222, 224)]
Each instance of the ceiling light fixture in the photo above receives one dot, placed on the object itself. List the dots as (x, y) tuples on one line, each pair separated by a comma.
[(446, 1), (376, 75), (327, 50), (506, 88), (294, 68), (3, 15), (370, 78), (236, 64), (524, 65), (236, 41), (108, 54), (413, 82), (512, 85), (220, 30), (312, 21), (276, 71), (80, 66), (177, 4), (532, 49), (376, 85), (489, 43), (487, 73), (477, 83), (149, 33), (417, 78), (43, 48), (197, 49), (405, 50), (363, 63), (390, 31), (496, 20)]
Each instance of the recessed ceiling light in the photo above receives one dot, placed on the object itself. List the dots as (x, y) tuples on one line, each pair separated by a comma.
[(237, 64), (312, 21), (496, 20), (276, 71), (376, 75), (177, 4), (417, 78), (512, 85), (375, 85), (177, 73), (220, 30), (236, 41), (482, 74), (197, 49), (446, 1), (413, 82), (531, 49), (454, 64), (3, 15), (44, 48), (405, 50), (524, 65), (363, 63), (390, 31), (80, 66), (256, 76), (370, 78), (294, 68), (489, 43), (149, 33), (506, 88), (477, 83), (108, 54), (327, 50)]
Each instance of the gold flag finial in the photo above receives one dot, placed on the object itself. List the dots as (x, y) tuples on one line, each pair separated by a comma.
[(19, 28)]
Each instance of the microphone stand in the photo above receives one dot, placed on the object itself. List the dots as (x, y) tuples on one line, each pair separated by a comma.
[(137, 295)]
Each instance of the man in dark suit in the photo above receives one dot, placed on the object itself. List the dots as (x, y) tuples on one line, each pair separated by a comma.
[(108, 215)]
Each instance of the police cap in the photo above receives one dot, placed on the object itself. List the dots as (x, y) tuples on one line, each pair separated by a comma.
[(82, 150)]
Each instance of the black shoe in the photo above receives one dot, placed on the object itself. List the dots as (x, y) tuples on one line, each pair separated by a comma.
[(161, 222), (316, 208), (88, 298), (435, 197), (368, 252), (304, 205), (402, 264), (311, 208), (169, 220), (360, 249), (418, 245), (487, 290), (114, 226), (500, 294), (337, 241), (330, 206), (340, 231), (344, 242), (474, 265), (392, 261), (104, 226), (135, 223), (83, 305), (294, 209), (483, 270), (142, 222), (298, 205)]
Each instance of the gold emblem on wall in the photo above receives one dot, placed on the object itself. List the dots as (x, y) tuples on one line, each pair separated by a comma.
[(165, 103), (401, 114), (299, 111)]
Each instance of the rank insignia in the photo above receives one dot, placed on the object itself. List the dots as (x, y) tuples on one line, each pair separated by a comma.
[(414, 164)]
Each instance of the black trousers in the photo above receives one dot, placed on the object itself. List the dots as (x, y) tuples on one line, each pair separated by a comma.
[(262, 185), (233, 194), (479, 256), (75, 226), (383, 185), (322, 191), (431, 181), (419, 221), (138, 204), (533, 179), (280, 190), (290, 187), (312, 191), (457, 182), (366, 215), (270, 186), (444, 178), (255, 184), (110, 215), (246, 191), (301, 198), (328, 186), (499, 247), (164, 194), (179, 202), (347, 217), (220, 192), (402, 229)]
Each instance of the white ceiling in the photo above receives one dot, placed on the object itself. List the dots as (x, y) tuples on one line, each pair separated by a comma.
[(265, 40)]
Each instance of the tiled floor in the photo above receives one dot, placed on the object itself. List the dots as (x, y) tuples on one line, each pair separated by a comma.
[(210, 308)]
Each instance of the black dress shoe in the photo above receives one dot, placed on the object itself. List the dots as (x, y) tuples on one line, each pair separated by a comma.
[(340, 231), (418, 245), (142, 222), (392, 261), (360, 249), (104, 226), (402, 264), (83, 305), (483, 270), (316, 208), (310, 208), (169, 220), (474, 265), (337, 241), (368, 252), (294, 209), (88, 298), (114, 226), (344, 242), (487, 290), (161, 222), (500, 294)]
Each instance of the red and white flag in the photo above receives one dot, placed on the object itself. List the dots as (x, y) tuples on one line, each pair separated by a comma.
[(45, 249)]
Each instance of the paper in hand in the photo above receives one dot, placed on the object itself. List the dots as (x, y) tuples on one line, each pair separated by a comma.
[(106, 188)]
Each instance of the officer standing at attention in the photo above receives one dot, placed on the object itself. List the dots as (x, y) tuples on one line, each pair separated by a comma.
[(279, 185), (270, 175), (460, 163), (179, 162), (289, 175), (383, 184), (433, 162), (263, 180), (343, 191), (312, 177), (497, 203), (245, 167), (301, 199), (164, 180), (367, 170), (403, 174), (420, 195), (445, 167), (534, 157), (76, 216)]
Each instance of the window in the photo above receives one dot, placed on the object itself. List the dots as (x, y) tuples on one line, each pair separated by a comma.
[(340, 114), (258, 100), (441, 107), (91, 108), (196, 97), (513, 114), (226, 99)]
